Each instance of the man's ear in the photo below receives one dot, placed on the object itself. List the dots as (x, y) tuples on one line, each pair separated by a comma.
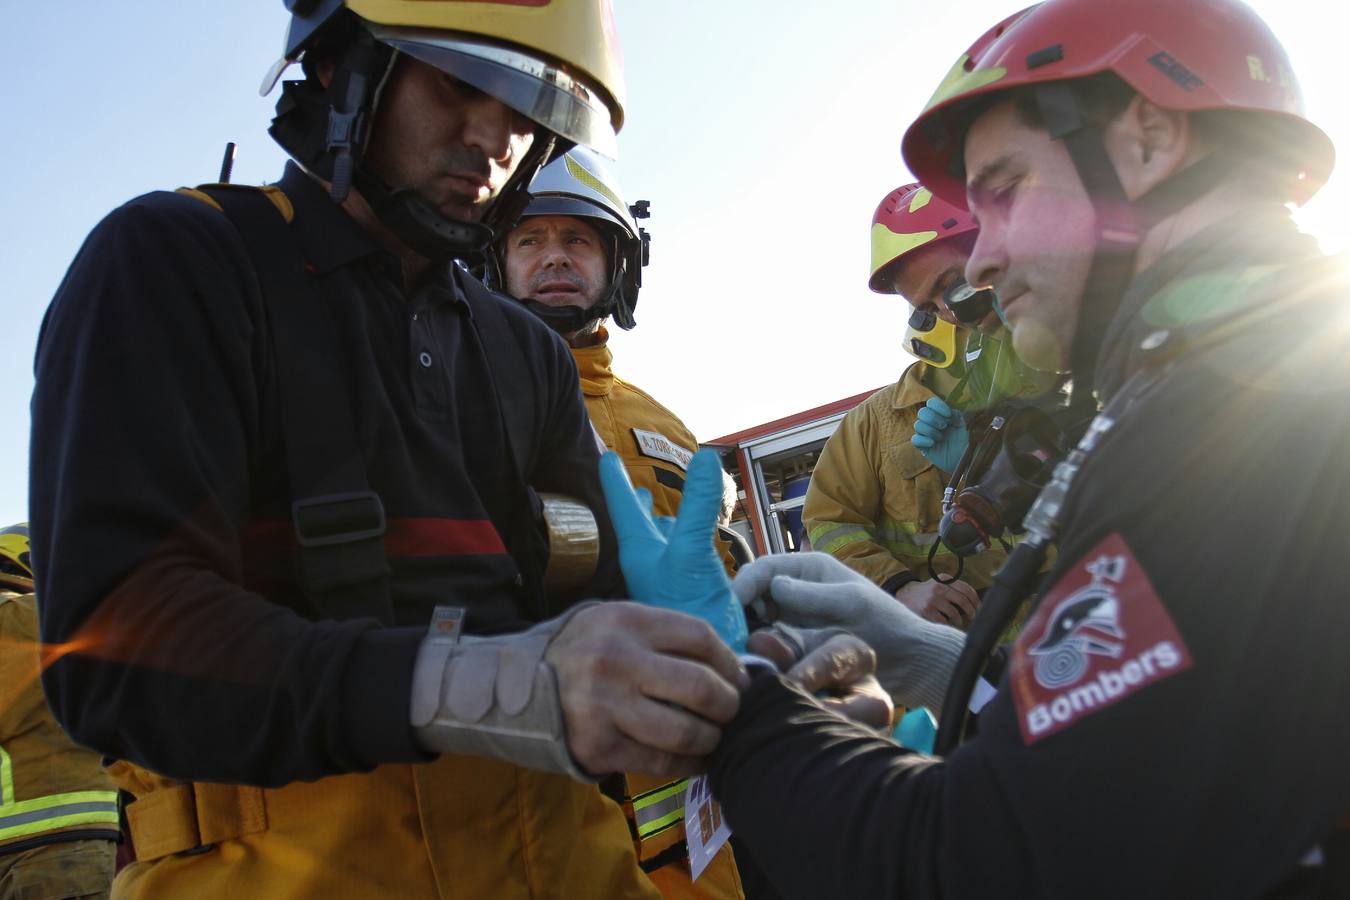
[(1148, 144)]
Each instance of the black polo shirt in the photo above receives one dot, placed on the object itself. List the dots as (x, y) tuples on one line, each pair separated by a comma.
[(160, 502)]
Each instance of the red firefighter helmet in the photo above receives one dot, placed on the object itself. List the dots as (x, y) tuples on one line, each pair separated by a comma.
[(908, 218), (1184, 55)]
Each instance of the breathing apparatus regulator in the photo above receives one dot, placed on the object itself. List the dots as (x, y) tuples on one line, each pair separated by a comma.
[(1013, 415), (1211, 57)]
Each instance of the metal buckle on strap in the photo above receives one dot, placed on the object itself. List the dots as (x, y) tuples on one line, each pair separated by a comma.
[(334, 519)]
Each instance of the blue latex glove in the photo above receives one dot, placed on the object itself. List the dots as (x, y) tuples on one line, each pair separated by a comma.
[(664, 524), (940, 434), (676, 566), (916, 730)]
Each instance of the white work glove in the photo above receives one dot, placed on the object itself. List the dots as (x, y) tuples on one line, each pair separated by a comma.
[(604, 687), (915, 658), (494, 696)]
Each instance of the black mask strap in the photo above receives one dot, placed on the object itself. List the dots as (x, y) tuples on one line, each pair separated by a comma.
[(1121, 224), (351, 107), (1118, 235), (1185, 187)]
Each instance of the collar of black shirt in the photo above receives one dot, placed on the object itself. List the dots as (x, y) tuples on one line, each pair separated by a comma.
[(329, 238), (1257, 241)]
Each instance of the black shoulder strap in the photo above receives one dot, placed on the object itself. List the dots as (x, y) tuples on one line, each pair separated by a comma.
[(338, 520), (509, 367)]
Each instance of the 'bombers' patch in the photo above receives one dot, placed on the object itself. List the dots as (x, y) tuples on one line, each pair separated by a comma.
[(1098, 637)]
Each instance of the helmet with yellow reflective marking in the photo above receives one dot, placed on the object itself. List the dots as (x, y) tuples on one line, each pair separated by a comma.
[(16, 567), (556, 62), (581, 184), (908, 218)]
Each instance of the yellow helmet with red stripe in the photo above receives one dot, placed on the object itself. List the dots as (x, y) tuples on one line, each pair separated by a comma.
[(556, 62)]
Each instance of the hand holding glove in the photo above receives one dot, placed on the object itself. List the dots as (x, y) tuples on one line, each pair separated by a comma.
[(604, 687), (676, 566), (915, 658), (940, 434)]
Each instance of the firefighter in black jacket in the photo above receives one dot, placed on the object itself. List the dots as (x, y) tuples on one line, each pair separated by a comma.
[(1172, 719), (283, 432)]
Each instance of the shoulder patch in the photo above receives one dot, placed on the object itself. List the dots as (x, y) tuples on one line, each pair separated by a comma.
[(202, 196), (1101, 635), (658, 446), (271, 191)]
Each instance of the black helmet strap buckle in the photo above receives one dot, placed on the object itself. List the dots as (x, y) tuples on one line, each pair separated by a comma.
[(351, 96)]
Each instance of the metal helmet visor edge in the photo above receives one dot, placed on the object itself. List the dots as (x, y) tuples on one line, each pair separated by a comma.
[(541, 91), (577, 208)]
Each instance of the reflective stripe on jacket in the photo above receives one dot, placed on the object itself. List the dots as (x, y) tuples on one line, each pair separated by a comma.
[(50, 789), (875, 502), (655, 447)]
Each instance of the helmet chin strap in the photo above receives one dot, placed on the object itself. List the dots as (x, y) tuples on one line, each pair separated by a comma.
[(563, 319), (418, 224), (428, 232), (569, 319), (1121, 225)]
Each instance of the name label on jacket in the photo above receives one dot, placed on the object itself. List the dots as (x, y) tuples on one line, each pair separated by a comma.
[(658, 446)]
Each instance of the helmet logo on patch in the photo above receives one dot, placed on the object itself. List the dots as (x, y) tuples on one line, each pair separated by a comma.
[(1100, 635), (1085, 623)]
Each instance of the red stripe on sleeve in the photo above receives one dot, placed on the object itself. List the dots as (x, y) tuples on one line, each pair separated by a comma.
[(409, 536)]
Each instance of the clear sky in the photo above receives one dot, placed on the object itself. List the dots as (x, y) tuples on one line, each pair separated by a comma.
[(763, 132)]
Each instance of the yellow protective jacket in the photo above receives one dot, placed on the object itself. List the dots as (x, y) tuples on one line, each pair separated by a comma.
[(875, 502), (655, 447), (460, 827), (51, 791)]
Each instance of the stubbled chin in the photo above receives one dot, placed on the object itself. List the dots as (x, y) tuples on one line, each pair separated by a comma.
[(1036, 345), (462, 210)]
